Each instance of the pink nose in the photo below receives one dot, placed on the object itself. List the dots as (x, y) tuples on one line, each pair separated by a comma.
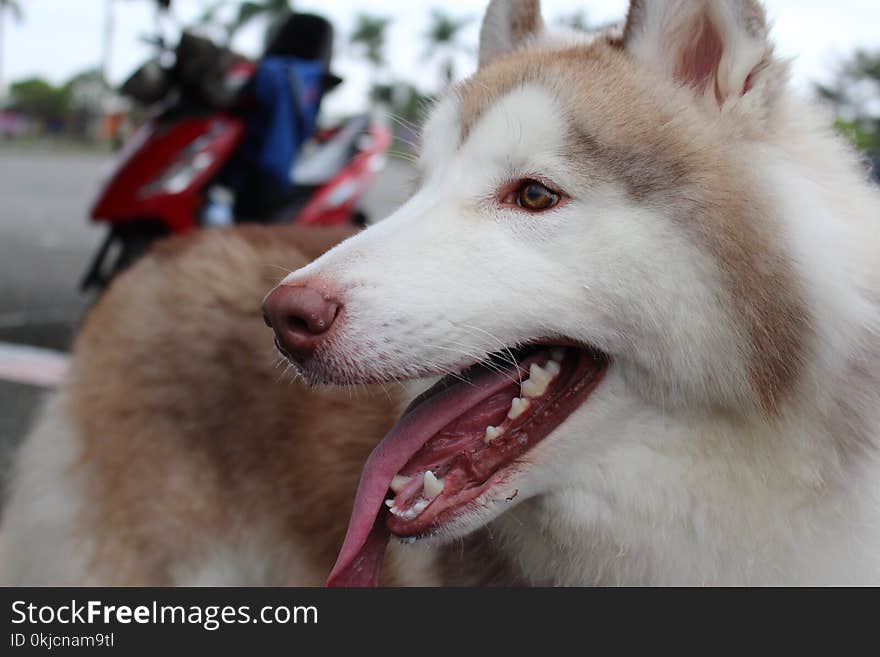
[(301, 317)]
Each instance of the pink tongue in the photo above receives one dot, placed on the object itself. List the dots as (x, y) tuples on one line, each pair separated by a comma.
[(362, 551)]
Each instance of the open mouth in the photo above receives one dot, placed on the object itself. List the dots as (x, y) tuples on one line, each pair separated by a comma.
[(458, 441)]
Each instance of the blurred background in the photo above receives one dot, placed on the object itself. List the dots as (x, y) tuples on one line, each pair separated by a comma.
[(63, 120)]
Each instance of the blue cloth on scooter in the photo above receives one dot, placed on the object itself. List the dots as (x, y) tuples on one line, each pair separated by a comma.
[(288, 94)]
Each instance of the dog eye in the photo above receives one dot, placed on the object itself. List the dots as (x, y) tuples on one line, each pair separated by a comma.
[(535, 197)]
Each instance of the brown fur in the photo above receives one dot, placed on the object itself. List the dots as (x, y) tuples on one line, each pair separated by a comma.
[(523, 20), (666, 155), (193, 436), (635, 19)]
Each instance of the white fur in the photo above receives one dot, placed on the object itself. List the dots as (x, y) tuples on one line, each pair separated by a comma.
[(39, 544)]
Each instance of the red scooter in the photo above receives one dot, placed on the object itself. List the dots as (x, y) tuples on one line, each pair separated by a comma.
[(169, 176)]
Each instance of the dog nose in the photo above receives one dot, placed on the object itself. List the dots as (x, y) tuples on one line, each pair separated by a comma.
[(301, 316)]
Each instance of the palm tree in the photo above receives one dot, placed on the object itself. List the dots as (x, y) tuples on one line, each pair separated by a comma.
[(580, 20), (855, 95), (107, 55), (274, 11), (369, 34), (6, 7), (444, 32), (577, 21)]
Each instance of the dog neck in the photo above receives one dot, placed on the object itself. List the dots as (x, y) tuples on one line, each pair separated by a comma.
[(787, 513)]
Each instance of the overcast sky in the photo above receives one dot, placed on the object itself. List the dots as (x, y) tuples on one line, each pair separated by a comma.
[(59, 38)]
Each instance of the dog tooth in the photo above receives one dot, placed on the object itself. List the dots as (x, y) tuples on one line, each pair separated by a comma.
[(399, 482), (411, 512), (491, 434), (539, 374), (553, 367), (517, 407), (530, 389), (536, 384), (432, 486), (389, 503)]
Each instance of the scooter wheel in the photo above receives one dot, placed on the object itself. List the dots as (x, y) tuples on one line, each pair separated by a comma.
[(123, 246), (360, 219)]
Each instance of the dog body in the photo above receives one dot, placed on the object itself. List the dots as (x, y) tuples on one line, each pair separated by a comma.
[(146, 470), (658, 197)]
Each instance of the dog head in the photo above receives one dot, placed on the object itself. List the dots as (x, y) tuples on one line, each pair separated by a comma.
[(589, 240)]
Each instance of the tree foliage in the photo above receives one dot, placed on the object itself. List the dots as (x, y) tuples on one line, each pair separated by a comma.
[(370, 33), (39, 98), (855, 96), (13, 7), (578, 20), (273, 11), (443, 39)]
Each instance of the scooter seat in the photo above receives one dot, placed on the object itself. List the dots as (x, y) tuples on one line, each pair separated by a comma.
[(318, 161)]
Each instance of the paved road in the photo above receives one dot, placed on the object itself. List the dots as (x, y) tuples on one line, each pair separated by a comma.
[(46, 243)]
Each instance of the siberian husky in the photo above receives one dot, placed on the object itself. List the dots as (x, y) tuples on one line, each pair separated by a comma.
[(647, 275)]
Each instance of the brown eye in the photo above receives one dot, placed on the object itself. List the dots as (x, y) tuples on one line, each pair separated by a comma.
[(534, 196)]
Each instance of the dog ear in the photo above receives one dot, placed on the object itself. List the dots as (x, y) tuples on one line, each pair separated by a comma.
[(715, 47), (506, 25)]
